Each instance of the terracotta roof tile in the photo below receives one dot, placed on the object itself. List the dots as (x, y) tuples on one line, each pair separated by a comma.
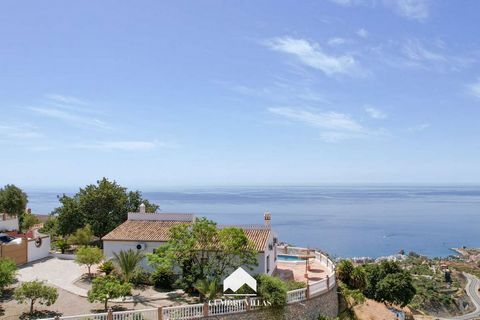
[(142, 230)]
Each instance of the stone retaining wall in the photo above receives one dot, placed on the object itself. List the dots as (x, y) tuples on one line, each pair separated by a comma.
[(325, 304)]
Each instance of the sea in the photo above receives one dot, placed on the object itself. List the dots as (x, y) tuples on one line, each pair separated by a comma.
[(345, 221)]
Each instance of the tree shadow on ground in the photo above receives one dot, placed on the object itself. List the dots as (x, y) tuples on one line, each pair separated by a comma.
[(39, 314), (115, 308)]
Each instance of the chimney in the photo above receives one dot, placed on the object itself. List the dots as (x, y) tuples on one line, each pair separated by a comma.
[(142, 208), (267, 217)]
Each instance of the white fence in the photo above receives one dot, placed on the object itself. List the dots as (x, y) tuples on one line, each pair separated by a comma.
[(192, 311), (297, 295), (200, 310)]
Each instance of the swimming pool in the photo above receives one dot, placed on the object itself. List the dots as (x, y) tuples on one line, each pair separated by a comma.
[(283, 257)]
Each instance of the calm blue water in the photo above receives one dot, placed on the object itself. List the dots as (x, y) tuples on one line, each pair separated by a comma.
[(288, 258), (345, 221)]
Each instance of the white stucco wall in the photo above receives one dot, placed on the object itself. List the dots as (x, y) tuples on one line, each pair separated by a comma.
[(35, 253), (9, 225), (109, 247)]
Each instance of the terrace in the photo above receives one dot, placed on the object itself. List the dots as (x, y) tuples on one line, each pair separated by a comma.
[(301, 264)]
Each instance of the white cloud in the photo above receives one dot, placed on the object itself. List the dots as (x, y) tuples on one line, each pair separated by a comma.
[(474, 88), (326, 120), (69, 116), (410, 9), (420, 127), (433, 56), (362, 33), (349, 3), (375, 113), (122, 145), (335, 126), (336, 41), (310, 54), (64, 99), (415, 50), (16, 131)]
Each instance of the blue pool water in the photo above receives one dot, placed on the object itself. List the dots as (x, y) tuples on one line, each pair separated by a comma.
[(282, 257)]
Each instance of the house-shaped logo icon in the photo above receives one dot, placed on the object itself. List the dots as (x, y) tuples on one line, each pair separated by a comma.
[(239, 278)]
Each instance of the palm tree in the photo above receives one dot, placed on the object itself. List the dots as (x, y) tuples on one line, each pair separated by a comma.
[(344, 271), (208, 289), (127, 262), (359, 278)]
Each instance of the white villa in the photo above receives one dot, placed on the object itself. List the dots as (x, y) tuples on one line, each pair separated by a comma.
[(147, 231)]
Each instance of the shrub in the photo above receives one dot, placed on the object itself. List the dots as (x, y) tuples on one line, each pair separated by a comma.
[(128, 262), (7, 272), (208, 289), (107, 267), (34, 291), (82, 236), (294, 285), (62, 245), (141, 277), (163, 278), (272, 289)]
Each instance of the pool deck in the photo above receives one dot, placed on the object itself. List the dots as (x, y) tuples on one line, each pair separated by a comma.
[(293, 271)]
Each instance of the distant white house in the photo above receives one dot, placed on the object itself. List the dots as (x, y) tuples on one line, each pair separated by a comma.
[(147, 231), (8, 223)]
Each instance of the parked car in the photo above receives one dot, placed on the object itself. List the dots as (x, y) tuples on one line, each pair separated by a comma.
[(6, 239)]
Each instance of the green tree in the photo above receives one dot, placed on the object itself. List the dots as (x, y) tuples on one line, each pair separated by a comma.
[(358, 279), (208, 289), (128, 262), (396, 288), (202, 251), (50, 226), (388, 282), (89, 256), (13, 201), (82, 236), (34, 291), (103, 206), (8, 269), (344, 271), (29, 220), (106, 288), (272, 289)]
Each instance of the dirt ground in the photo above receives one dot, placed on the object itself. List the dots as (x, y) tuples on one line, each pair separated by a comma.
[(372, 310), (70, 304)]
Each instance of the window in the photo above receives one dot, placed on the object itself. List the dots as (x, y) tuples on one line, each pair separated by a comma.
[(268, 264), (275, 253)]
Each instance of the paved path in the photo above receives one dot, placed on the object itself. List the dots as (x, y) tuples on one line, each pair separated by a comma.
[(61, 273), (473, 285), (64, 273)]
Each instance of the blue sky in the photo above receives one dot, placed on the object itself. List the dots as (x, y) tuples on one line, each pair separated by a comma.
[(187, 93)]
